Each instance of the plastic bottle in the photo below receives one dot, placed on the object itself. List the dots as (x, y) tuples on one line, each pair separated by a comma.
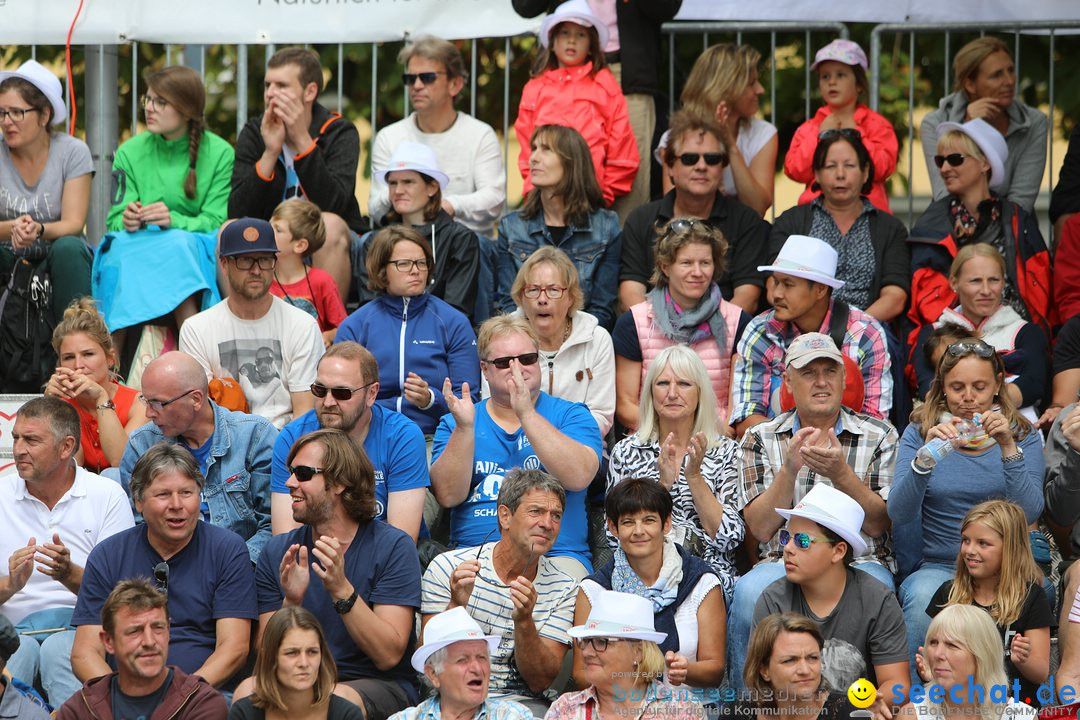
[(932, 452)]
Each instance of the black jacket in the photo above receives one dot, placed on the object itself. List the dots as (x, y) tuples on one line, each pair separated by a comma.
[(327, 173), (639, 24)]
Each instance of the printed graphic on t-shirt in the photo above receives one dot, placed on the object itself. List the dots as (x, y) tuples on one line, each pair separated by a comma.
[(257, 365)]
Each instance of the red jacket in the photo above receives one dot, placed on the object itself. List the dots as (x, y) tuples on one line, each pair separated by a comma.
[(595, 107), (878, 136), (1067, 269)]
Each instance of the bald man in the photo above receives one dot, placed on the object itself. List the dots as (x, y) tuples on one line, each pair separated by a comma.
[(234, 450)]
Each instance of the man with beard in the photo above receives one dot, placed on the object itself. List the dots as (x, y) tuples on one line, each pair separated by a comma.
[(233, 449), (339, 552), (253, 326), (345, 388)]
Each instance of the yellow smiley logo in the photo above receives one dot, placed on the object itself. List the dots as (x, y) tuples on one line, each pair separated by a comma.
[(862, 693)]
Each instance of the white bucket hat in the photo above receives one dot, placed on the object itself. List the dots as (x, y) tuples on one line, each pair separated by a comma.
[(808, 258), (619, 615), (40, 77), (417, 157), (447, 628), (577, 12), (989, 141), (833, 509)]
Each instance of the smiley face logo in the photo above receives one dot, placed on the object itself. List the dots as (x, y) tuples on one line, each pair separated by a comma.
[(862, 693)]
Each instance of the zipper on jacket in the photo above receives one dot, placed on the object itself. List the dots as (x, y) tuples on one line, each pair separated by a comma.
[(401, 351), (551, 376)]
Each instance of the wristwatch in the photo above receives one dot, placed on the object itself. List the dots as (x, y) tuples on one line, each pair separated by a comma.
[(1018, 455), (342, 607), (108, 405)]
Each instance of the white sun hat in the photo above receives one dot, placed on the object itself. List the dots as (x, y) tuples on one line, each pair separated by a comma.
[(447, 628), (414, 156), (577, 12), (40, 77), (989, 141), (833, 509), (808, 258), (619, 615)]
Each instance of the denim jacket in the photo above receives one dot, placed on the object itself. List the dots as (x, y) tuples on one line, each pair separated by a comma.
[(237, 488), (594, 250)]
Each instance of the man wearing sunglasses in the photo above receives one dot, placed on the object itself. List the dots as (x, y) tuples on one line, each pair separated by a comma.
[(252, 336), (518, 426), (695, 157), (299, 149), (860, 618), (233, 449), (345, 389), (465, 148)]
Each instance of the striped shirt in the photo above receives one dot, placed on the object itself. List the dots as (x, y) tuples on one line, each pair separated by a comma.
[(490, 605), (759, 363), (869, 445)]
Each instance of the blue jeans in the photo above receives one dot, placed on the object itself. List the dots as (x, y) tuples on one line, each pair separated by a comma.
[(748, 589), (46, 655)]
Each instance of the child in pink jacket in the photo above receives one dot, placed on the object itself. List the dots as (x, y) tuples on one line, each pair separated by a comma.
[(572, 86)]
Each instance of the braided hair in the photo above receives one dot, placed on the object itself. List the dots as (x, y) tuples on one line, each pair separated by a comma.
[(183, 88)]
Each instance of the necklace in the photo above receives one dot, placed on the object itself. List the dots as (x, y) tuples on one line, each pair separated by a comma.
[(569, 327)]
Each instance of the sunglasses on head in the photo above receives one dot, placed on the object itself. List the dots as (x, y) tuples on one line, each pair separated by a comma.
[(691, 159), (504, 362), (339, 393), (304, 473), (425, 78), (802, 540), (978, 348), (842, 132), (954, 159)]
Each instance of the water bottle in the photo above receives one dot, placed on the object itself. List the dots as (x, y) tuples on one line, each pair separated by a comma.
[(932, 452)]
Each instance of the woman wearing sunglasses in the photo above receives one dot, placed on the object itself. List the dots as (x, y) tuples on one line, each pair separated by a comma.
[(622, 667), (972, 159), (1002, 460), (684, 307), (873, 254), (977, 276), (417, 339), (565, 208)]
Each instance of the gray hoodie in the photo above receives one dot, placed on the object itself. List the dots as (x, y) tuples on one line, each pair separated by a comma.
[(1062, 480)]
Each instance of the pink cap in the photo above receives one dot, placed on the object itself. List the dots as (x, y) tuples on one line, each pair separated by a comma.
[(845, 51)]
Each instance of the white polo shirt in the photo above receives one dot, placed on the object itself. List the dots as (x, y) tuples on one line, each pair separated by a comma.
[(91, 510)]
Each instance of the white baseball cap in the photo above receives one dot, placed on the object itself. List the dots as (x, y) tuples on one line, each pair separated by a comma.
[(808, 258), (811, 346), (833, 509), (40, 77), (447, 628)]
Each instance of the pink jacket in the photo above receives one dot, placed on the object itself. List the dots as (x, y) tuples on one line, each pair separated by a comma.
[(878, 136), (594, 106)]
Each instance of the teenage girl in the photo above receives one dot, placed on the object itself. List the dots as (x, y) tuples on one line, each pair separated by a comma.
[(572, 86), (995, 570), (841, 68)]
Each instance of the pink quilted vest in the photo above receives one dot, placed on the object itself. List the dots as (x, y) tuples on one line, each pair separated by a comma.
[(718, 365)]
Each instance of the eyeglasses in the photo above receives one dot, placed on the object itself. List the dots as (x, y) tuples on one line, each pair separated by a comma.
[(161, 574), (850, 133), (304, 473), (405, 266), (246, 262), (16, 114), (598, 644), (159, 405), (425, 78), (954, 159), (338, 393), (533, 291), (504, 362), (802, 540), (978, 348), (159, 103), (691, 159)]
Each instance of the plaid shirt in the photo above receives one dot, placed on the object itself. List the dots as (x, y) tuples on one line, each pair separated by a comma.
[(870, 446), (662, 702), (431, 709), (760, 363)]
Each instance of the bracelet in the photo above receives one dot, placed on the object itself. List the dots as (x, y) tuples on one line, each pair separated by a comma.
[(42, 233), (1018, 455)]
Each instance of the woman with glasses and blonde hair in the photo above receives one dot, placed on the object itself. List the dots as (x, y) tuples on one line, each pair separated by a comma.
[(295, 675), (417, 339), (85, 377), (565, 209), (997, 455), (684, 307), (576, 359), (678, 443), (176, 175)]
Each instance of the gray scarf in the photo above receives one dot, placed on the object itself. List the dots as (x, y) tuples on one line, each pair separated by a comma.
[(692, 324)]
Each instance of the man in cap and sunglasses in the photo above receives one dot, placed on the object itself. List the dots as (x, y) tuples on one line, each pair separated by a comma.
[(275, 344), (345, 388), (695, 158), (518, 426), (233, 449)]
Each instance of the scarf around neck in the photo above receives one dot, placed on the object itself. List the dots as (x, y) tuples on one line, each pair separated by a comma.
[(663, 592), (690, 325)]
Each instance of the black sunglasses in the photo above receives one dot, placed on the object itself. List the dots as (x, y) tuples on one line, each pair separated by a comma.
[(304, 473), (842, 132), (978, 348), (425, 78), (691, 159), (954, 159), (339, 393), (161, 574), (504, 362)]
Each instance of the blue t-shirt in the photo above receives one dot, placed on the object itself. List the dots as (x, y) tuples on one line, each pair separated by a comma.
[(383, 567), (209, 579), (495, 451), (394, 445)]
